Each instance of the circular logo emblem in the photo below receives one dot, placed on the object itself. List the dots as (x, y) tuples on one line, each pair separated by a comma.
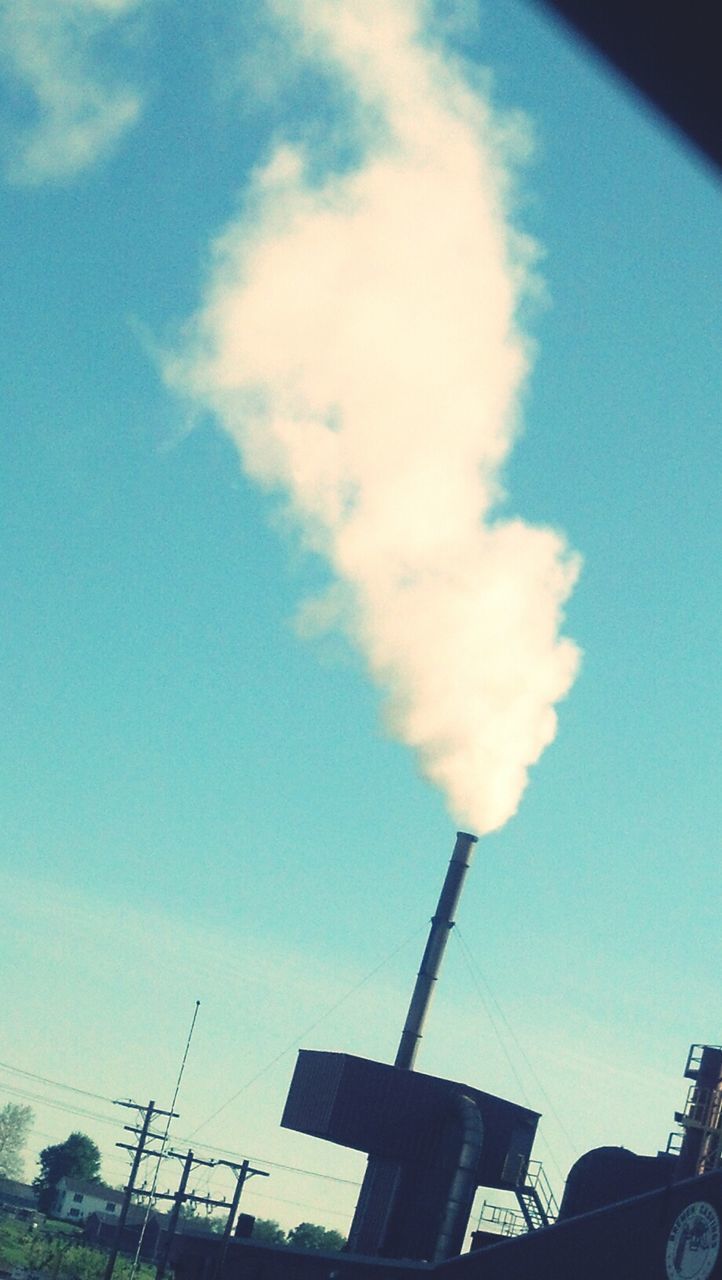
[(693, 1243)]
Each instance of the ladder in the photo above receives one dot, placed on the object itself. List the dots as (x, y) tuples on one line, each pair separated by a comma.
[(536, 1198)]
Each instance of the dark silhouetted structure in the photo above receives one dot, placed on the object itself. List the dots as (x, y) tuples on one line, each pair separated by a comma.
[(417, 1126), (669, 51)]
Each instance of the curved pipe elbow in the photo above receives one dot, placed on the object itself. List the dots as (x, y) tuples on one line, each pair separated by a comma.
[(463, 1182)]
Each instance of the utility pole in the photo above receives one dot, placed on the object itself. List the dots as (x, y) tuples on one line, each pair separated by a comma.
[(178, 1198), (243, 1172), (139, 1149)]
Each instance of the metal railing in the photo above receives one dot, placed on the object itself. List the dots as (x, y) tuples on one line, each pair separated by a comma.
[(537, 1204), (703, 1107), (510, 1222), (537, 1179)]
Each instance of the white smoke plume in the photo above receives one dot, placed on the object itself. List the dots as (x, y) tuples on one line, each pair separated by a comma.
[(358, 342)]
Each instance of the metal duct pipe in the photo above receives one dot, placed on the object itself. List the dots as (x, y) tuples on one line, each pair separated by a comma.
[(463, 1184), (442, 922)]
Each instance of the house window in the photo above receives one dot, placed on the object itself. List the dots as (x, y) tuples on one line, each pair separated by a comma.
[(75, 1213), (110, 1207), (77, 1197)]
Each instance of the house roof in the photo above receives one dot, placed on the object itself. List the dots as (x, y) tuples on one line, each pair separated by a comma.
[(86, 1188), (18, 1190), (136, 1214), (135, 1217), (196, 1229)]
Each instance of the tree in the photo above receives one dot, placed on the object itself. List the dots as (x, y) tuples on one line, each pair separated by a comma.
[(200, 1216), (215, 1223), (77, 1157), (307, 1235), (15, 1121), (191, 1212), (268, 1231)]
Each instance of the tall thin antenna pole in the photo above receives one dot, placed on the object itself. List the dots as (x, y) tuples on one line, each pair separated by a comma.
[(164, 1141), (185, 1056)]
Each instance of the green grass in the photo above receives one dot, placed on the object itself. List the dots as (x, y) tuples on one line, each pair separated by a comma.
[(58, 1253), (14, 1241), (53, 1227)]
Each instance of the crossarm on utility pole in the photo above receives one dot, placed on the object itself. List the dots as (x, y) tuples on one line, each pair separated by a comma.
[(142, 1138), (179, 1197), (243, 1172)]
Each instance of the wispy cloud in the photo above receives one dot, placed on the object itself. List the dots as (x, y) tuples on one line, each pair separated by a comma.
[(359, 341), (69, 114)]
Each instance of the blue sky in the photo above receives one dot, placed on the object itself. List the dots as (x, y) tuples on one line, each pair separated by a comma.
[(200, 802)]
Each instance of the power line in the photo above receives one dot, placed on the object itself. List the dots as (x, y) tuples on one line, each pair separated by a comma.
[(108, 1156), (58, 1106), (112, 1157), (272, 1164), (67, 1108), (143, 1136), (20, 1071), (307, 1030), (475, 969), (301, 1204), (492, 1020)]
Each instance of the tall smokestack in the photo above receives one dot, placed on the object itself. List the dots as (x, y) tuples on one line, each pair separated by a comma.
[(380, 1185), (442, 922)]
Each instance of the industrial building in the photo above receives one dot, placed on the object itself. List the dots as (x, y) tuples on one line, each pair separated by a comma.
[(432, 1142)]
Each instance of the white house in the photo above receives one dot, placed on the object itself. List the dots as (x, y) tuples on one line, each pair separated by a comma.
[(76, 1199)]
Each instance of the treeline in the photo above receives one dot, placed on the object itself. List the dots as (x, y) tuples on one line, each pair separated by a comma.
[(307, 1235), (79, 1157)]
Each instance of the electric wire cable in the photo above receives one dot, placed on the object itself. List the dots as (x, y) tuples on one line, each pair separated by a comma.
[(112, 1157), (20, 1071), (58, 1106), (300, 1204), (573, 1146), (512, 1065), (274, 1164), (307, 1030)]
